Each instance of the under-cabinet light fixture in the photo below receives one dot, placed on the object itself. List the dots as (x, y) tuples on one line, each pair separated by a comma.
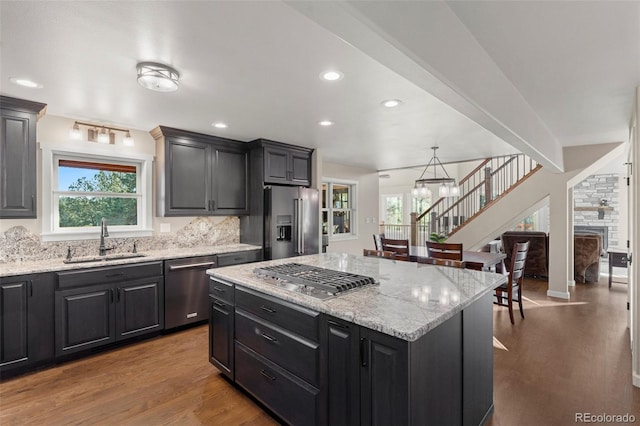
[(100, 133)]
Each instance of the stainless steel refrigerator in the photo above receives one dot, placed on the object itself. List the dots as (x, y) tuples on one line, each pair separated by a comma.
[(291, 221)]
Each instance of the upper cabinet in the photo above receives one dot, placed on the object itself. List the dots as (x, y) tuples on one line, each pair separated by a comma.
[(284, 164), (18, 188), (200, 175)]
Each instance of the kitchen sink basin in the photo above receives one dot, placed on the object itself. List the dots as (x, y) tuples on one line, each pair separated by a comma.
[(118, 256)]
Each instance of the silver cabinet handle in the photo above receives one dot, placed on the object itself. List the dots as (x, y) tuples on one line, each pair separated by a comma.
[(192, 265)]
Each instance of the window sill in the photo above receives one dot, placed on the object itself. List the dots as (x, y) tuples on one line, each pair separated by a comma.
[(93, 235)]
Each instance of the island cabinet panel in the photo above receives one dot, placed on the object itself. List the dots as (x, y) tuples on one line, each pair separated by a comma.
[(18, 187), (98, 306), (384, 379), (477, 361), (200, 175), (26, 321), (342, 345), (221, 327)]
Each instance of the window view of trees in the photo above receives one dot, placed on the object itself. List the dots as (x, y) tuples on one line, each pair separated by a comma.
[(97, 194), (393, 209)]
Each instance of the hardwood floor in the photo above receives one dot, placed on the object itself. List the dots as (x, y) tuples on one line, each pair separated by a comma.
[(565, 357)]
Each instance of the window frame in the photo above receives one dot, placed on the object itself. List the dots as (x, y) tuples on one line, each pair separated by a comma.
[(353, 210), (51, 153)]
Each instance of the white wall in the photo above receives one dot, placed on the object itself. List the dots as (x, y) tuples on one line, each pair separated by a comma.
[(367, 206)]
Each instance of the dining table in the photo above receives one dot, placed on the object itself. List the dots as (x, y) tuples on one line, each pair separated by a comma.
[(478, 260)]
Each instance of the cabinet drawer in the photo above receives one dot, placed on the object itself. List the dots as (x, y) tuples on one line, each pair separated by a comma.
[(290, 398), (220, 289), (287, 315), (239, 257), (296, 354), (108, 274)]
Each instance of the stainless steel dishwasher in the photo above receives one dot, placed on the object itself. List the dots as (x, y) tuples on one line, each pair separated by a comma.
[(186, 290)]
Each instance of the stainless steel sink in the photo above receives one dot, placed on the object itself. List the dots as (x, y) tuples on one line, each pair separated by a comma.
[(118, 256)]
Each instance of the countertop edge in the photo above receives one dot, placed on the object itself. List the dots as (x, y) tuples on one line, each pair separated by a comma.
[(55, 265)]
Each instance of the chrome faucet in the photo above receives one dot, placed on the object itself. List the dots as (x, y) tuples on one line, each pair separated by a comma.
[(104, 232)]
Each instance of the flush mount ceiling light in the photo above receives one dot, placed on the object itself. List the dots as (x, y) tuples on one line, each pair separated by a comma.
[(447, 185), (325, 123), (391, 103), (158, 77), (24, 82), (331, 75)]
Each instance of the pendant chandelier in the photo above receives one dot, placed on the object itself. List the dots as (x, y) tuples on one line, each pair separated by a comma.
[(447, 186)]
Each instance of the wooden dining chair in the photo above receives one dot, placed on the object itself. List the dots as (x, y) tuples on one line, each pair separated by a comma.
[(379, 253), (449, 251), (399, 247), (442, 262), (377, 240), (505, 293)]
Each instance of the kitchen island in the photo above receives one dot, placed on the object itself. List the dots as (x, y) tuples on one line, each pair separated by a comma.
[(416, 348)]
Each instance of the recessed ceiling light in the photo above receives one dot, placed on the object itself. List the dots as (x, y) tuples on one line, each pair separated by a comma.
[(331, 75), (220, 125), (325, 123), (25, 83), (391, 103)]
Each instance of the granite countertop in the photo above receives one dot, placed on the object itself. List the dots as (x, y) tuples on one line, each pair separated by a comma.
[(52, 265), (410, 301)]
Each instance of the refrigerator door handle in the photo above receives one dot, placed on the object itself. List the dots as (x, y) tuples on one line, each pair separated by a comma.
[(296, 227), (301, 225)]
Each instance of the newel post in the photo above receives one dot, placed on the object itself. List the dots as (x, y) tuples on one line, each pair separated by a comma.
[(414, 229), (488, 184)]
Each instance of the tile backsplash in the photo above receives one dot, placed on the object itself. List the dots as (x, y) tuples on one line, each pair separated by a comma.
[(18, 244)]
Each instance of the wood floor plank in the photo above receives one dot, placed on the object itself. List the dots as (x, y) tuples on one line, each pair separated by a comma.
[(565, 357)]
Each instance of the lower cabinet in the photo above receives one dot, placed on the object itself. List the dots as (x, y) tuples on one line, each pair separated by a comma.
[(316, 369), (95, 315), (221, 335), (26, 321)]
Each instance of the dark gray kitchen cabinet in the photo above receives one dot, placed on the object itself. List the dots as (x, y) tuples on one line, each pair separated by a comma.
[(343, 374), (99, 306), (18, 187), (26, 321), (200, 174), (221, 329), (283, 164)]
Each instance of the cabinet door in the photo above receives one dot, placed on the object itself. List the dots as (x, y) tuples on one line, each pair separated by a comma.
[(188, 179), (18, 162), (383, 379), (230, 182), (343, 370), (276, 165), (26, 320), (139, 307), (13, 322), (85, 318), (221, 336), (300, 168)]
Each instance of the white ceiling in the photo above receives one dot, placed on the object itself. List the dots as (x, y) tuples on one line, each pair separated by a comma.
[(255, 65)]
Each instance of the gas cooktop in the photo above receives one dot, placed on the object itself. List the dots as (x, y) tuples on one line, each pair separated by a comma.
[(321, 283)]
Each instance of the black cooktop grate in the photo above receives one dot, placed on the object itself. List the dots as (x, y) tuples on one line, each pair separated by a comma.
[(312, 276)]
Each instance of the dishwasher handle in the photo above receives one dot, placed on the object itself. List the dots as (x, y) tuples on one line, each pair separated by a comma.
[(192, 265)]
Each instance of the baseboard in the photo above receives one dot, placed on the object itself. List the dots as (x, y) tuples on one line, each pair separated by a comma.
[(571, 283), (558, 294)]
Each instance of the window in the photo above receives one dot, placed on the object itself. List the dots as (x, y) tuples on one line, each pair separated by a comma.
[(80, 188), (339, 208), (391, 212)]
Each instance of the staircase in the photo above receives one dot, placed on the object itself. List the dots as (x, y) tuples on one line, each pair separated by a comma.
[(482, 187)]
